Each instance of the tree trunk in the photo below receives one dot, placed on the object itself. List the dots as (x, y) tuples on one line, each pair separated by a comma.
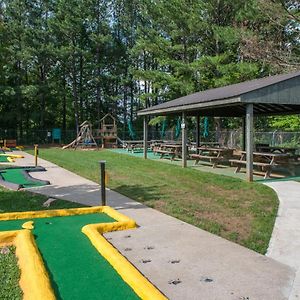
[(42, 98), (98, 88), (75, 93), (81, 110)]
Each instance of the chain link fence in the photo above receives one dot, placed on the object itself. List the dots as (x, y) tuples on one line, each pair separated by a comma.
[(228, 138), (31, 137)]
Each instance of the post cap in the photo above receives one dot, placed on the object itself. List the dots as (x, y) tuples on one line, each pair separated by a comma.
[(102, 161)]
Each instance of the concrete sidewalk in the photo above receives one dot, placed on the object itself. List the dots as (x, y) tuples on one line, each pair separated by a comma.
[(183, 261), (285, 242)]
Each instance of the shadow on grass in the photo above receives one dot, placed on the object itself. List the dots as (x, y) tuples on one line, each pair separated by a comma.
[(51, 277), (140, 193)]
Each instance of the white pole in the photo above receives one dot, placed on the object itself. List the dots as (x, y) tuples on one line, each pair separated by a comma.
[(249, 141), (184, 140)]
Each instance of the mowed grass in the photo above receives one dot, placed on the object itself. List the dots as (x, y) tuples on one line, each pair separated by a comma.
[(236, 210), (11, 201), (10, 274)]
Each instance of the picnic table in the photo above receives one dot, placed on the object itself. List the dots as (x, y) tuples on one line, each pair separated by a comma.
[(155, 143), (193, 145), (169, 150), (263, 148), (133, 145), (267, 161), (214, 155)]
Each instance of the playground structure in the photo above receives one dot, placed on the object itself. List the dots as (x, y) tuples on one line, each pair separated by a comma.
[(107, 132), (84, 139)]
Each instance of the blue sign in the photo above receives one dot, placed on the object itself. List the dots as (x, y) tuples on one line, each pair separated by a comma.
[(56, 134)]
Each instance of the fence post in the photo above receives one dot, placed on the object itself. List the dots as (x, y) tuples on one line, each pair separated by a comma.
[(102, 182), (36, 154)]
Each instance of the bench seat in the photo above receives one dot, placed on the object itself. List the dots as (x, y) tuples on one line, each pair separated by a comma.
[(11, 143), (255, 163), (165, 152), (213, 159), (265, 166)]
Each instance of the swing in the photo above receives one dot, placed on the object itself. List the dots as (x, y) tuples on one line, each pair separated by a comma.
[(178, 128), (206, 126), (131, 130), (163, 128)]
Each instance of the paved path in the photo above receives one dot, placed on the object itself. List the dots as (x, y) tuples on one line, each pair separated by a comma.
[(183, 261), (285, 242)]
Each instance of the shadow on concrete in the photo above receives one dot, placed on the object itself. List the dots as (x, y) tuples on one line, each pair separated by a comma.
[(88, 194)]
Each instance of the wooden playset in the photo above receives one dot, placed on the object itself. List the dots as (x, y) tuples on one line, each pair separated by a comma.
[(107, 132)]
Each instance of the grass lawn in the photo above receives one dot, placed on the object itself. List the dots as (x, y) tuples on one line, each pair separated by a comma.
[(24, 201), (236, 210), (9, 275)]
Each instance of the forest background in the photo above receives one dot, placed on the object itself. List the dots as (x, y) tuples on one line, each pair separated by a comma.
[(66, 61)]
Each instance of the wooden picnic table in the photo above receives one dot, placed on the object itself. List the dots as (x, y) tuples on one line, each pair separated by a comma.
[(133, 145), (210, 144), (169, 150), (193, 146), (267, 161), (271, 157), (263, 148), (155, 143), (214, 155), (173, 146)]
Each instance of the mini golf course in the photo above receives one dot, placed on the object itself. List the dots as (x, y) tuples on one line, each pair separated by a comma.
[(76, 269), (5, 158), (9, 157), (19, 177)]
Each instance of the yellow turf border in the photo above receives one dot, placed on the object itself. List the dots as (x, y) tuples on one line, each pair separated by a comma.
[(36, 283), (34, 280), (12, 157)]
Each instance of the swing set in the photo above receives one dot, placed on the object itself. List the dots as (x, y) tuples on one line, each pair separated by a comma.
[(164, 126)]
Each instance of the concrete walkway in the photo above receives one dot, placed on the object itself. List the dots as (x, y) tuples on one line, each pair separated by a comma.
[(285, 242), (184, 262)]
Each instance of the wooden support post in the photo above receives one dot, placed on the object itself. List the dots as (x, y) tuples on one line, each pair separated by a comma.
[(184, 140), (198, 131), (249, 141), (145, 137), (36, 154)]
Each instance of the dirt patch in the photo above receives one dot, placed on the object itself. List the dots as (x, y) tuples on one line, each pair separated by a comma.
[(240, 224), (159, 205)]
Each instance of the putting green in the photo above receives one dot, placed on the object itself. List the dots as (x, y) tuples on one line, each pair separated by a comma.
[(75, 267), (17, 176), (4, 159)]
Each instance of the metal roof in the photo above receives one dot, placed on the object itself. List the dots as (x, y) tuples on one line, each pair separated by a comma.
[(279, 94)]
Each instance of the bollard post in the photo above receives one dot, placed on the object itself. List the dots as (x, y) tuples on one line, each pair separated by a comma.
[(36, 154), (102, 182)]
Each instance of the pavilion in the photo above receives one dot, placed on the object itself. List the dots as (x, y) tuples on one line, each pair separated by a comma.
[(273, 95)]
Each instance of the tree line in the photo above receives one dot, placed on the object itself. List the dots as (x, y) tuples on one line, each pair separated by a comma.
[(65, 61)]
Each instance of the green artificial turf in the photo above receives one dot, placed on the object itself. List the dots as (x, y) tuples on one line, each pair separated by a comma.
[(230, 207), (9, 274), (3, 159), (16, 175), (76, 269)]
